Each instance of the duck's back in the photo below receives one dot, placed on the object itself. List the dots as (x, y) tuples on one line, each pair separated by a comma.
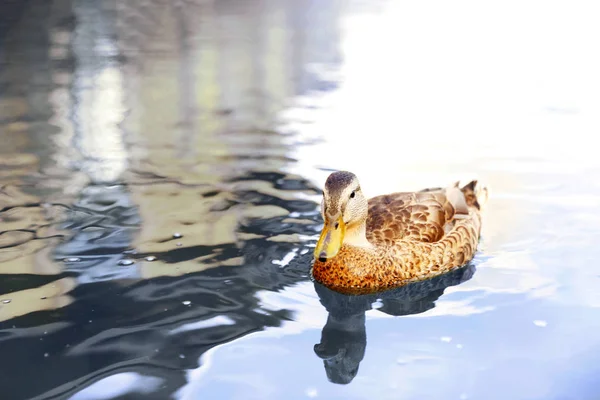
[(424, 216)]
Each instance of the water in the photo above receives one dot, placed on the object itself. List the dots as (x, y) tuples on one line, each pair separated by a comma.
[(193, 139)]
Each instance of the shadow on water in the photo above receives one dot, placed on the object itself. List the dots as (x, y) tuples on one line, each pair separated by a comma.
[(344, 337)]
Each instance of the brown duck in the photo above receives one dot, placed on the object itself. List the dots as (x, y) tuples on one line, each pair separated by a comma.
[(390, 240)]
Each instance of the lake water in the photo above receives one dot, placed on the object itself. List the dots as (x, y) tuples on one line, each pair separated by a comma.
[(161, 169)]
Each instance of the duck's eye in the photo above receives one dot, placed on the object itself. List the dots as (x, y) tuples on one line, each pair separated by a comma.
[(352, 195)]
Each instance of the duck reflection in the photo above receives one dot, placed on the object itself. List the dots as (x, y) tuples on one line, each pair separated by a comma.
[(344, 337)]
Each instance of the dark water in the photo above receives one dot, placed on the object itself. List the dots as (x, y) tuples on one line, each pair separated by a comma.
[(160, 172)]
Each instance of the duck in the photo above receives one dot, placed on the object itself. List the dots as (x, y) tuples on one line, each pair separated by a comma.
[(387, 241)]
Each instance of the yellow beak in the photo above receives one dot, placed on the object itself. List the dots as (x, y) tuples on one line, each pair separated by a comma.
[(331, 239)]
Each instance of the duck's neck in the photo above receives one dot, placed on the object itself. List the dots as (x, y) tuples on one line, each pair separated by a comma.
[(357, 236)]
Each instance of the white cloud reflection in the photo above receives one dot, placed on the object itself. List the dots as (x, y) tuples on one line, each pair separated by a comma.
[(203, 324), (119, 385)]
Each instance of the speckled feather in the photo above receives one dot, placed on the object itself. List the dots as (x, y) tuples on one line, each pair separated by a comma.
[(415, 236)]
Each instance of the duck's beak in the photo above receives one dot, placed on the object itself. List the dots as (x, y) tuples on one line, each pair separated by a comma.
[(331, 239)]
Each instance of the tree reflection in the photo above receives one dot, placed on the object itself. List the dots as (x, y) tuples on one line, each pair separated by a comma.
[(153, 118)]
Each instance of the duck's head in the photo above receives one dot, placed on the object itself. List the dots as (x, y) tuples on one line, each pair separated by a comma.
[(344, 209)]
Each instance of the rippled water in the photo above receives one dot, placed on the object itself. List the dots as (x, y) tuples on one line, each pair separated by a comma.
[(160, 175)]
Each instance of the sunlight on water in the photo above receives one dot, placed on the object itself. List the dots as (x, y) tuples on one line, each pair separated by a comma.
[(161, 173)]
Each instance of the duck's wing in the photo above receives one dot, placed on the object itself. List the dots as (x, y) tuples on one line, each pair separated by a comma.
[(425, 216)]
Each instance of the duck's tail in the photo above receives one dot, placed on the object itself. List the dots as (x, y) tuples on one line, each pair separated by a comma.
[(466, 198), (476, 194), (473, 195)]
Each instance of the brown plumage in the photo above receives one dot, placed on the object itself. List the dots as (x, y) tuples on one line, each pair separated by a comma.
[(390, 240)]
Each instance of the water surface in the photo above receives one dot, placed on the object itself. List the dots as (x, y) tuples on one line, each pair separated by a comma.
[(160, 176)]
